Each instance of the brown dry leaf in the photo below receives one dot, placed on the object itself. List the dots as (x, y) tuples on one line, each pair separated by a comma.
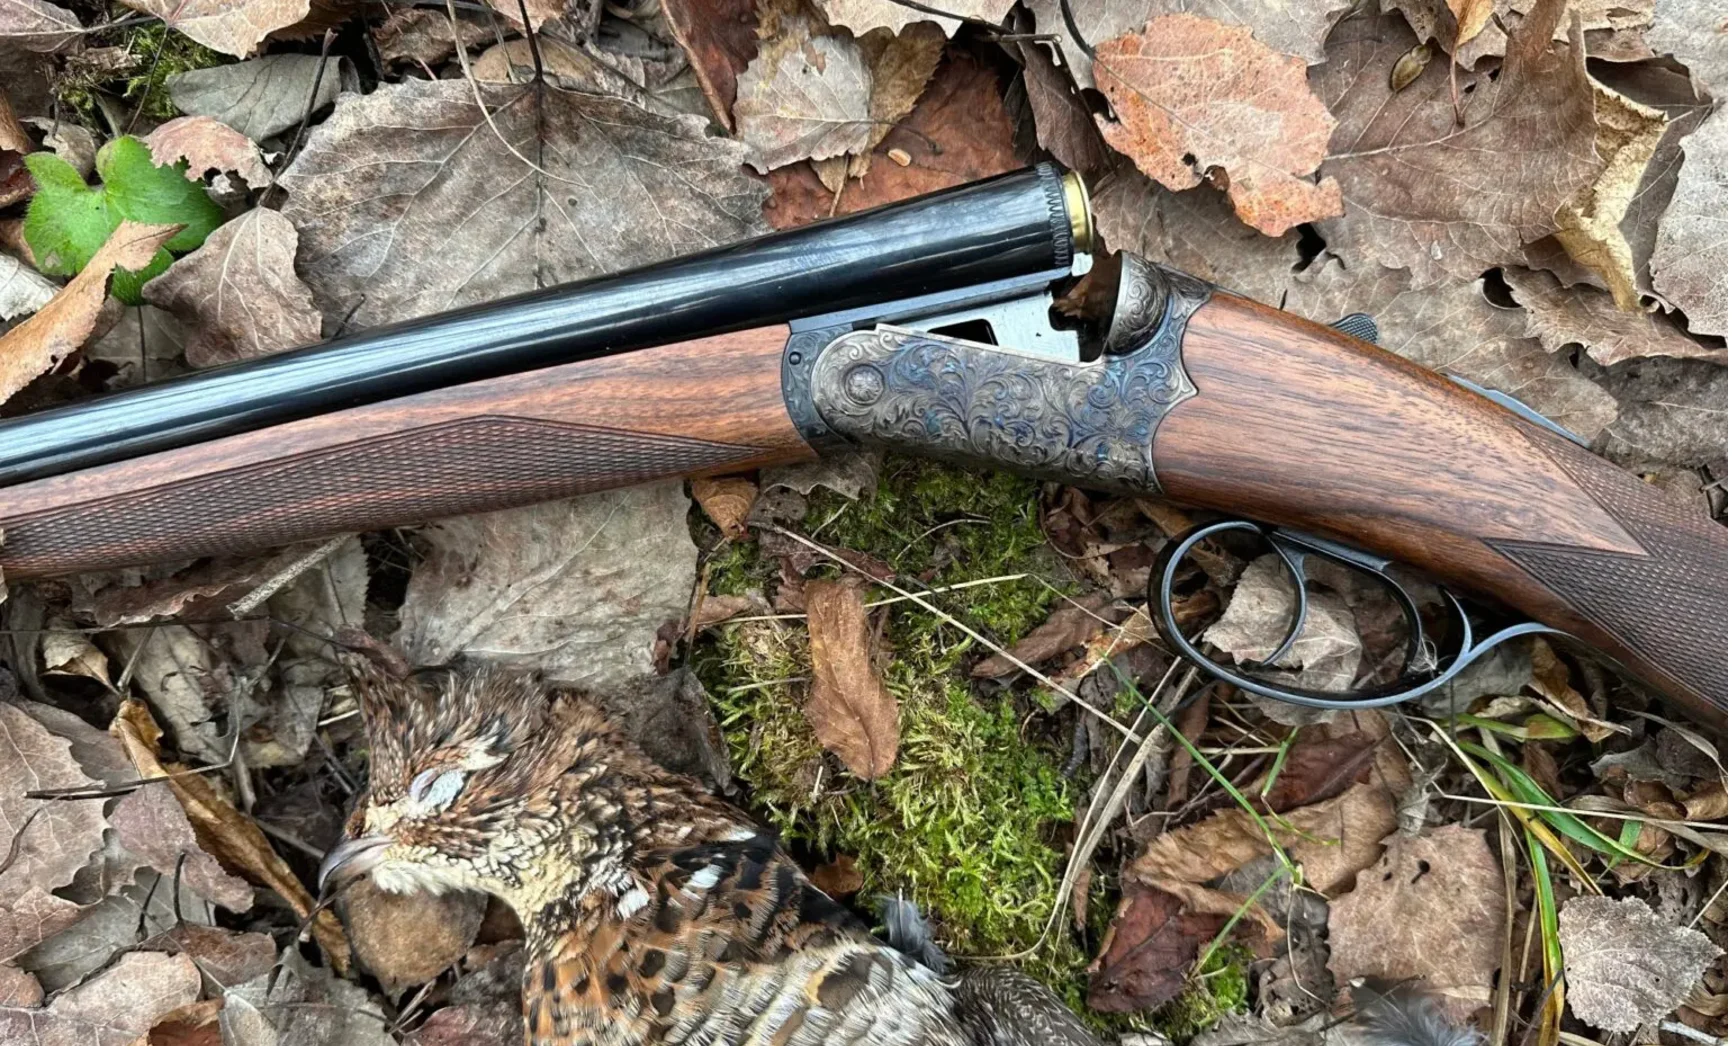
[(1419, 189), (238, 293), (423, 35), (62, 325), (850, 711), (900, 68), (1295, 27), (262, 97), (153, 827), (228, 957), (862, 16), (208, 145), (1191, 95), (115, 1008), (13, 136), (1062, 122), (1651, 430), (1613, 26), (18, 988), (1624, 965), (223, 831), (1589, 226), (234, 27), (1327, 653), (1432, 909), (727, 500), (958, 132), (1693, 32), (1151, 945), (805, 96), (1471, 17), (36, 25), (839, 878), (469, 222), (52, 840), (1345, 837), (1453, 328), (23, 290), (1194, 231), (1551, 680), (1071, 625), (720, 37), (1689, 262), (405, 939), (1320, 768), (574, 589), (1560, 316)]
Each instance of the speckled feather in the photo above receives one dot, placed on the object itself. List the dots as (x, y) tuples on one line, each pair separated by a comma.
[(655, 912)]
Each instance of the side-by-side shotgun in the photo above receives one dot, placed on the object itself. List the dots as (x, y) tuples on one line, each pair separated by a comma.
[(972, 325)]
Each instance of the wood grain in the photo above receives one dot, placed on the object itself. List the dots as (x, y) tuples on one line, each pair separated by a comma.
[(1299, 425), (700, 407)]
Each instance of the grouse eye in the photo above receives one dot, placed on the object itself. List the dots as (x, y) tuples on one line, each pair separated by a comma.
[(435, 790)]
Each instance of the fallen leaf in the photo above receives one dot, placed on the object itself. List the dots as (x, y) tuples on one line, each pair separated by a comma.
[(1327, 652), (233, 27), (72, 653), (1295, 27), (146, 345), (36, 25), (1613, 26), (194, 1024), (469, 1026), (1320, 768), (720, 37), (228, 957), (1589, 226), (465, 217), (18, 988), (1650, 428), (1693, 32), (1194, 231), (238, 293), (299, 1004), (23, 290), (208, 145), (838, 878), (43, 843), (575, 589), (1071, 625), (805, 95), (405, 939), (261, 97), (862, 16), (727, 500), (1471, 17), (129, 903), (1432, 909), (1332, 841), (1191, 94), (423, 35), (1624, 965), (1062, 122), (900, 67), (223, 831), (716, 609), (60, 327), (1148, 950), (850, 711), (1551, 680), (67, 140), (1417, 187), (1707, 803), (182, 674), (958, 132), (1560, 316), (1453, 328), (850, 474), (153, 827), (115, 1008), (1689, 262)]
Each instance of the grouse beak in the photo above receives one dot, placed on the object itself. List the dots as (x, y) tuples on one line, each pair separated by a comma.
[(351, 858)]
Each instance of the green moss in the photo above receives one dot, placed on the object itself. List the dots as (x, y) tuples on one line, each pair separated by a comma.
[(968, 824), (1221, 987), (153, 53)]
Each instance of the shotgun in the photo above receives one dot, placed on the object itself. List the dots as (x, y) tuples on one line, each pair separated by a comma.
[(972, 325)]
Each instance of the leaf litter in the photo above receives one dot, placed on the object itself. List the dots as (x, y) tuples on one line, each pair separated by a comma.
[(1235, 888)]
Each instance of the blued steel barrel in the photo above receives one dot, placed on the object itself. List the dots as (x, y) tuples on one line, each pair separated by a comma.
[(1022, 223)]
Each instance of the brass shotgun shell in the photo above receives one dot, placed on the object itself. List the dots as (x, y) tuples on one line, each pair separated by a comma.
[(1076, 205)]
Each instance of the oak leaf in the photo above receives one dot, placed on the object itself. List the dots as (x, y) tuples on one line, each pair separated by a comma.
[(1431, 909), (1421, 190), (62, 325), (238, 293), (408, 203), (1192, 95), (850, 711)]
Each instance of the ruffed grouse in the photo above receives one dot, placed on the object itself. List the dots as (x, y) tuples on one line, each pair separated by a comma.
[(654, 911)]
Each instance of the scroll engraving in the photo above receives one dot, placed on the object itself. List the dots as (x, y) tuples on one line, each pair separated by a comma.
[(1091, 424)]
